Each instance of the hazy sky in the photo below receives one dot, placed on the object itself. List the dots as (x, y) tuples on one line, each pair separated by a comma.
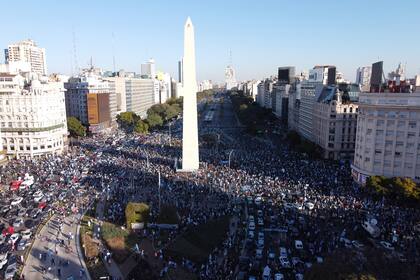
[(261, 34)]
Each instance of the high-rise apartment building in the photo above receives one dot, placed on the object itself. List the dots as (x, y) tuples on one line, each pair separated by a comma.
[(388, 136), (148, 70), (32, 116), (27, 51), (363, 77)]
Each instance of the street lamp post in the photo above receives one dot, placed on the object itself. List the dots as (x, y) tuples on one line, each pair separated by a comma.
[(159, 188), (170, 135), (230, 155)]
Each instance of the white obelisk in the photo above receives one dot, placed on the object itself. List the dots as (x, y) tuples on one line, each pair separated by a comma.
[(190, 159)]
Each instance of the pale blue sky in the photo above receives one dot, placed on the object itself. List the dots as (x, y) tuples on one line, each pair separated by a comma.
[(262, 34)]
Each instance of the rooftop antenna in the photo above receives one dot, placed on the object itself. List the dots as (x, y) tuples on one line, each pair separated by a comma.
[(76, 66), (113, 52), (71, 64)]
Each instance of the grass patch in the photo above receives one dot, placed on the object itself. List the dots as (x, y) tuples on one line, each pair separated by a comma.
[(198, 242), (119, 241)]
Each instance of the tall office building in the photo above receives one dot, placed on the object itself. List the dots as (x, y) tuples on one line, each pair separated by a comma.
[(363, 77), (286, 75), (32, 116), (148, 69), (387, 141), (27, 51), (88, 98), (325, 74), (139, 95), (230, 78)]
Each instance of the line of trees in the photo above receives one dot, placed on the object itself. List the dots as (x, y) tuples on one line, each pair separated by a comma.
[(302, 145), (250, 114), (207, 93), (157, 115), (403, 191)]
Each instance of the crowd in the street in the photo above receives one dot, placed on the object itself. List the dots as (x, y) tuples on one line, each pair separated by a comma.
[(313, 201)]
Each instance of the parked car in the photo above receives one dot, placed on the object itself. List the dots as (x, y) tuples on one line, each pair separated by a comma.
[(284, 262), (278, 276), (21, 212), (18, 222), (3, 260), (22, 244), (15, 237), (10, 271), (16, 201), (35, 212), (298, 245), (26, 234), (283, 252), (387, 245)]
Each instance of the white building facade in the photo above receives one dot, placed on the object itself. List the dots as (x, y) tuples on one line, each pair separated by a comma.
[(388, 136), (139, 95), (27, 51), (32, 117)]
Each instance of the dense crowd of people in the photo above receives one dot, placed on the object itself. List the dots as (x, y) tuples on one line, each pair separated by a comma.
[(143, 168)]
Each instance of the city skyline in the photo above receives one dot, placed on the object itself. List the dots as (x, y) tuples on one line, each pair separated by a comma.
[(261, 37)]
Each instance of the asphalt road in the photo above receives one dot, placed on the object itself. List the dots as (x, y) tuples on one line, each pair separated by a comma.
[(55, 256)]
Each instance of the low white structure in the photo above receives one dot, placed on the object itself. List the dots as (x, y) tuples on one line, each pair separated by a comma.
[(190, 158), (32, 116)]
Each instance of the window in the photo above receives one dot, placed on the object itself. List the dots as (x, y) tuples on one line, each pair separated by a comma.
[(378, 152), (412, 124)]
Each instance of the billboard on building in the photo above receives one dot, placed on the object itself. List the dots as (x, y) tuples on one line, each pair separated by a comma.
[(92, 104), (104, 111)]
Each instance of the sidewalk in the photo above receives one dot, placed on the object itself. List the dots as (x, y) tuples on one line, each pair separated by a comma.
[(111, 266)]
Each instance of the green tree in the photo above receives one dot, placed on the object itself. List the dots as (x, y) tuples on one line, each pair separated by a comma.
[(75, 127), (141, 127), (154, 120), (171, 112), (136, 213), (126, 119)]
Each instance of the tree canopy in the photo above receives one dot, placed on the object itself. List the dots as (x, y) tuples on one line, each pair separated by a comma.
[(154, 120), (136, 213), (75, 127), (141, 127), (399, 190)]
